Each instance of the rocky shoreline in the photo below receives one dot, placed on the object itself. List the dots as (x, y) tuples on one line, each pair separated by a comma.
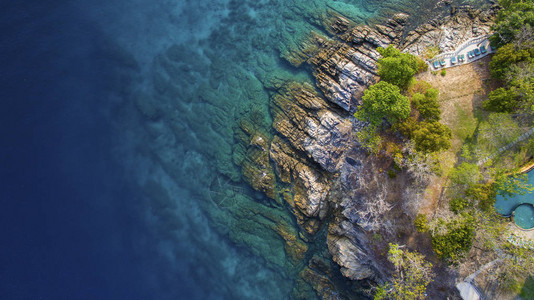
[(314, 164)]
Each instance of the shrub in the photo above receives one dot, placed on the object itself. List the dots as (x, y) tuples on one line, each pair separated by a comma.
[(457, 205), (421, 223), (418, 86), (431, 52), (370, 139), (443, 72), (407, 127), (501, 100), (465, 174), (456, 240), (427, 104), (432, 136), (484, 194)]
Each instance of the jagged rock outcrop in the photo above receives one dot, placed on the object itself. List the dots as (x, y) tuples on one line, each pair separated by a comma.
[(344, 68), (311, 125), (316, 157), (309, 145), (309, 186), (448, 32), (314, 150)]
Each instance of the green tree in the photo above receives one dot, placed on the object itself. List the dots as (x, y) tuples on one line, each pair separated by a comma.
[(427, 104), (516, 15), (506, 56), (412, 275), (484, 194), (407, 127), (501, 100), (383, 100), (510, 185), (432, 136), (396, 67), (421, 223), (520, 78), (451, 240), (466, 174)]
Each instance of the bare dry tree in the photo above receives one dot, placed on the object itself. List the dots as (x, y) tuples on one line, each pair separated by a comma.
[(418, 165), (371, 215)]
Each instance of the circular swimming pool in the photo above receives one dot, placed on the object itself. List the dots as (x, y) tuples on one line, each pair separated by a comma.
[(524, 216)]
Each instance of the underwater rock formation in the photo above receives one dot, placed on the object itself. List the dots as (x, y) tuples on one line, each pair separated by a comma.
[(255, 166)]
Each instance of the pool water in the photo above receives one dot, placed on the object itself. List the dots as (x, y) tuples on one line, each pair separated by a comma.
[(519, 205), (524, 216)]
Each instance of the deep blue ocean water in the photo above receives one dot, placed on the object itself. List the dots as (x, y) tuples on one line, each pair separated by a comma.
[(69, 225), (118, 175)]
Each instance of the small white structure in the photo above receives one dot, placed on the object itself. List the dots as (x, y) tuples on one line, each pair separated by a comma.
[(468, 52), (468, 291)]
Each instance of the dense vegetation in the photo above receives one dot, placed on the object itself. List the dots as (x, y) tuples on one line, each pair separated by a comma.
[(479, 174), (398, 68), (410, 106), (482, 162), (480, 169), (385, 101), (514, 61)]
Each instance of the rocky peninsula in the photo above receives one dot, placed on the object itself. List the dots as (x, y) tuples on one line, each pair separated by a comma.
[(314, 164)]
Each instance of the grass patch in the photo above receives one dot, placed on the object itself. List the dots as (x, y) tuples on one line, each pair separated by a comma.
[(465, 125)]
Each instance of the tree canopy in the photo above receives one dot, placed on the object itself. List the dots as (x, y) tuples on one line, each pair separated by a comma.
[(432, 136), (384, 100), (427, 104), (396, 67), (452, 239), (508, 55), (512, 22), (501, 100), (514, 61)]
